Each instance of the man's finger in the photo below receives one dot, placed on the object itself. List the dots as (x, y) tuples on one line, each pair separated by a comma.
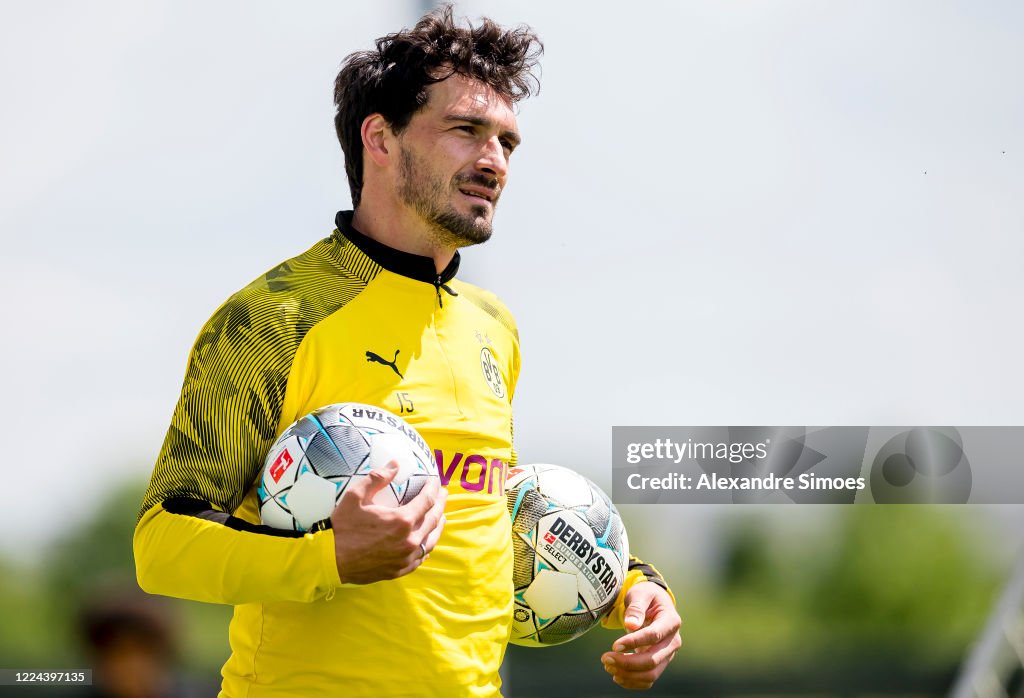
[(645, 660), (640, 683), (413, 564), (641, 658), (431, 540), (366, 488), (634, 679), (416, 558), (651, 635), (431, 520), (424, 501), (665, 654)]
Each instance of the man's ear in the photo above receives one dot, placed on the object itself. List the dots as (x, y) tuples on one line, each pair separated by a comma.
[(376, 134)]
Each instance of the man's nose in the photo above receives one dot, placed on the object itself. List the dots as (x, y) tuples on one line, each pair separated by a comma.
[(493, 160)]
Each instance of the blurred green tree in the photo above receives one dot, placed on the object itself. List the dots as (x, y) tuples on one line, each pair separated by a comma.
[(91, 559), (915, 581)]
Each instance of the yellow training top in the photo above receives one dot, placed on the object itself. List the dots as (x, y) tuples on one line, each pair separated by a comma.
[(349, 320)]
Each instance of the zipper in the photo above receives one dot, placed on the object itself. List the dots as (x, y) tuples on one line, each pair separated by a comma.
[(438, 285)]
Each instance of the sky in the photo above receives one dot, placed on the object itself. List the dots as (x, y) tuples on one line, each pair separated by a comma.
[(723, 213)]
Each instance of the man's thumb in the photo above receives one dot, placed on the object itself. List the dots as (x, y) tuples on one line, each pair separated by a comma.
[(377, 479), (636, 611)]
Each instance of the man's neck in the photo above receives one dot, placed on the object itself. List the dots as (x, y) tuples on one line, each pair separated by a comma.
[(395, 227)]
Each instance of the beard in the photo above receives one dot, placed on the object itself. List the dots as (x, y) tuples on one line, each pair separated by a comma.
[(429, 195)]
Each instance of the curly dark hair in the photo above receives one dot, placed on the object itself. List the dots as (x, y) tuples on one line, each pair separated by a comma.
[(392, 80)]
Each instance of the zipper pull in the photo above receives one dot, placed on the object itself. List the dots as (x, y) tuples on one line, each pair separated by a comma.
[(438, 285)]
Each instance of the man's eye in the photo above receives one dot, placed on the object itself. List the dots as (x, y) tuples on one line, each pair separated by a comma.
[(467, 129)]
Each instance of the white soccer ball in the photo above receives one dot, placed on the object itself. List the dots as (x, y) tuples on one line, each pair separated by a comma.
[(312, 463), (571, 553)]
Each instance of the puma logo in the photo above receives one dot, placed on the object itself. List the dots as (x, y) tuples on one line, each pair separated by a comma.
[(375, 358)]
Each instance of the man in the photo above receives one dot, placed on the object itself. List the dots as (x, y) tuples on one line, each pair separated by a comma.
[(376, 602), (131, 644)]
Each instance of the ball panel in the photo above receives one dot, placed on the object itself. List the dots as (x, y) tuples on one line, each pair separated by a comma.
[(393, 446), (273, 514), (304, 429), (566, 627), (351, 443), (326, 457), (523, 558), (311, 499), (599, 516), (412, 487), (563, 486), (551, 594), (530, 505)]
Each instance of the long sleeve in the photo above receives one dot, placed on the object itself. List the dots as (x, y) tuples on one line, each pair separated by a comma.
[(184, 550), (189, 540)]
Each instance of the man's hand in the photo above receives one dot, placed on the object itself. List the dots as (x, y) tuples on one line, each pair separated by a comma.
[(373, 542), (639, 657)]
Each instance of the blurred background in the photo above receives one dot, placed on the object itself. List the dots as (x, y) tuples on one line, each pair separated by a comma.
[(722, 213)]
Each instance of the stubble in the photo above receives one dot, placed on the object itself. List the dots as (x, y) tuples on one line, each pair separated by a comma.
[(430, 196)]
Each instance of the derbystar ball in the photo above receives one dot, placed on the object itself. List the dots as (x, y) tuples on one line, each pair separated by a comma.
[(311, 464), (571, 553)]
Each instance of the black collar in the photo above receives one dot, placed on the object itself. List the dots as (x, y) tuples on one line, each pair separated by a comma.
[(404, 263)]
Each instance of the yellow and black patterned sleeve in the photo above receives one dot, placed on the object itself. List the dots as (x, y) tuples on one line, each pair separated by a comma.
[(227, 414), (230, 405), (187, 542)]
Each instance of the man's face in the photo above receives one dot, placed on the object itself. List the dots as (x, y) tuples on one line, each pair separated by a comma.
[(453, 161)]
